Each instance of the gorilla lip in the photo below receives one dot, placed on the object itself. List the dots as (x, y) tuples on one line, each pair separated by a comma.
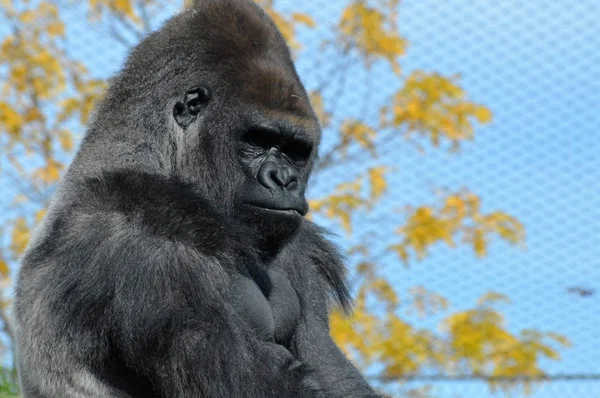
[(292, 212)]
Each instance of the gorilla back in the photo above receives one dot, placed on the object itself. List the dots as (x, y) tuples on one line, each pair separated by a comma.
[(175, 260)]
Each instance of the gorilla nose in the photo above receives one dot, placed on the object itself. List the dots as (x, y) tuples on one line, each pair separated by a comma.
[(272, 175)]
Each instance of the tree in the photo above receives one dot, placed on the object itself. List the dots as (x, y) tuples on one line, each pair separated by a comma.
[(47, 95)]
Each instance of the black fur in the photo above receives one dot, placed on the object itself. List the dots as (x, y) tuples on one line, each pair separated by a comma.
[(151, 276)]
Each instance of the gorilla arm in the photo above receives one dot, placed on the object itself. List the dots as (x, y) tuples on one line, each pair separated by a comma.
[(313, 344), (336, 373), (141, 274)]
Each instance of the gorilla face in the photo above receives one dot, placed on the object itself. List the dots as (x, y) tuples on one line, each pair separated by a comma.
[(274, 158), (276, 161), (272, 147)]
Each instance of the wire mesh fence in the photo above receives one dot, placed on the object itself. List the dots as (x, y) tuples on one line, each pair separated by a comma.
[(536, 65)]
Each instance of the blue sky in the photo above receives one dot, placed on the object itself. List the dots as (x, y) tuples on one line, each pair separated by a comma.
[(536, 64)]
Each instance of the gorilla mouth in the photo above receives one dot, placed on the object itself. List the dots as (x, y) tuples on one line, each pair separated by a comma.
[(279, 212)]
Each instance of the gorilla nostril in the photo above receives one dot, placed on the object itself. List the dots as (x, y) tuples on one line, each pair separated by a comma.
[(287, 178), (293, 185), (284, 176), (275, 176), (267, 175)]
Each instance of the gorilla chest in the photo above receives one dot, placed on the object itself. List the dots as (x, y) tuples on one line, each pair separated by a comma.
[(269, 306)]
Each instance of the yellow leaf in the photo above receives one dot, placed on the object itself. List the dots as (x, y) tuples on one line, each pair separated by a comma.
[(346, 221), (364, 268), (318, 104), (384, 291), (20, 198), (373, 32), (355, 131), (454, 207), (4, 269), (50, 173), (20, 236), (434, 106), (66, 140), (472, 201), (285, 26), (378, 182), (39, 215), (33, 115), (125, 7), (493, 297), (69, 106), (10, 120), (304, 19), (562, 340), (19, 77), (427, 302), (56, 29), (402, 252), (483, 114), (479, 243), (27, 16), (458, 217)]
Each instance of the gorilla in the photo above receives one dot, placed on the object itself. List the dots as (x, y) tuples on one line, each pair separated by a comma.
[(175, 259)]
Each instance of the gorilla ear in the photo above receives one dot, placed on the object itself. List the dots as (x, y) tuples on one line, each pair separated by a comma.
[(194, 101)]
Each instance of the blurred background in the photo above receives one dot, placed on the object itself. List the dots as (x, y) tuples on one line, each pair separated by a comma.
[(459, 171)]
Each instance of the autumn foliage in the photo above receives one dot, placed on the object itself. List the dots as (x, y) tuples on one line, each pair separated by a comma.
[(47, 96)]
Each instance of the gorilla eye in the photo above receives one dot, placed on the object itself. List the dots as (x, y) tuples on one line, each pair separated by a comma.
[(297, 150), (261, 137)]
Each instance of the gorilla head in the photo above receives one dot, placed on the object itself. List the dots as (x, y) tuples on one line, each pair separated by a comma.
[(235, 120)]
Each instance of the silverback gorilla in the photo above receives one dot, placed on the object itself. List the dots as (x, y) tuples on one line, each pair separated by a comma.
[(175, 260)]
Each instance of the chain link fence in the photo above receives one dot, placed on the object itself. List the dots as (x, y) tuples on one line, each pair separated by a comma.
[(536, 65)]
